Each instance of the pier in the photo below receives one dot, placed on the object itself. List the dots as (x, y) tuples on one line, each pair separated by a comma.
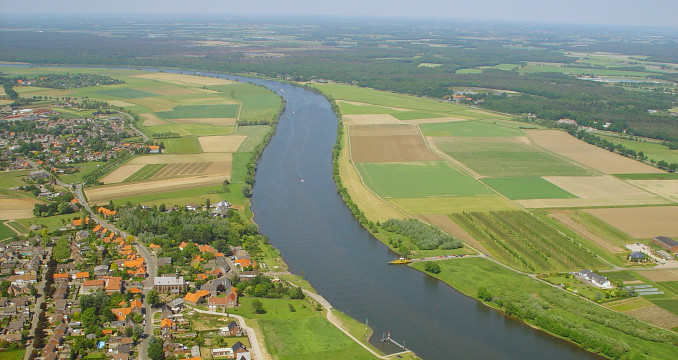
[(387, 338)]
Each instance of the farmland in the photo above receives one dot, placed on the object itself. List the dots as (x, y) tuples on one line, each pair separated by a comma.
[(527, 188), (468, 129), (642, 223)]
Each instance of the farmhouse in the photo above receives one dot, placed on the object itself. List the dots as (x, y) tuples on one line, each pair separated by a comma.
[(667, 243), (595, 279)]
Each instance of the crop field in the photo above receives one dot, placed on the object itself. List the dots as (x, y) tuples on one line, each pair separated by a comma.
[(151, 119), (11, 209), (446, 224), (144, 173), (102, 194), (182, 145), (423, 179), (598, 187), (258, 104), (189, 129), (416, 115), (468, 129), (665, 188), (355, 108), (652, 150), (526, 188), (655, 176), (505, 157), (182, 79), (370, 119), (188, 169), (593, 229), (641, 222), (5, 231), (200, 111), (602, 160), (206, 121), (178, 158), (121, 173), (661, 276), (254, 135), (524, 242), (390, 148), (123, 93), (228, 143), (452, 204), (169, 90)]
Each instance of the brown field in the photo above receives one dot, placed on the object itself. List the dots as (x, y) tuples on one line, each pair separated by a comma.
[(369, 119), (155, 104), (665, 188), (119, 103), (184, 79), (400, 148), (183, 158), (195, 168), (121, 173), (11, 209), (105, 193), (563, 217), (224, 143), (642, 222), (358, 103), (151, 119), (374, 207), (446, 224), (660, 275), (452, 204), (207, 121), (581, 203), (168, 90), (605, 161), (383, 130), (657, 316)]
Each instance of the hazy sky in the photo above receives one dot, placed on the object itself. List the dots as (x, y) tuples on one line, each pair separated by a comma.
[(618, 12)]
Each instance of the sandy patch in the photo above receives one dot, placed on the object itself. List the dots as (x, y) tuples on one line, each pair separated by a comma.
[(121, 173), (641, 222), (168, 90), (185, 79), (370, 119), (107, 192), (151, 120), (383, 130), (208, 121), (399, 148), (660, 275), (154, 103), (563, 217), (224, 143), (120, 103), (183, 158), (597, 187), (11, 209), (656, 315), (605, 161), (446, 224), (665, 188)]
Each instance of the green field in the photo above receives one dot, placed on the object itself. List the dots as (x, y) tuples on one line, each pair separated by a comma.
[(652, 150), (259, 104), (351, 109), (51, 222), (507, 157), (85, 168), (16, 354), (524, 242), (239, 166), (123, 93), (469, 71), (414, 180), (656, 176), (415, 115), (182, 197), (182, 145), (200, 111), (5, 232), (543, 306), (582, 71), (255, 134), (468, 129), (508, 67), (187, 129), (526, 188), (145, 172)]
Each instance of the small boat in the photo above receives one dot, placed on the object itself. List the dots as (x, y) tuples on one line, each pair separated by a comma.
[(400, 260)]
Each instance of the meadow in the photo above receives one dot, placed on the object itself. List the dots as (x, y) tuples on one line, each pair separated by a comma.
[(414, 180), (519, 188), (582, 71), (5, 232), (182, 145), (652, 150), (468, 129), (200, 111)]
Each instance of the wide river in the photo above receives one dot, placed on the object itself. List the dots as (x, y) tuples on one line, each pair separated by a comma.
[(297, 206)]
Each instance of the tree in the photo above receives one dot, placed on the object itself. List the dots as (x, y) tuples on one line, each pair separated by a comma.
[(153, 298), (258, 307), (432, 267), (483, 294), (155, 351), (208, 203)]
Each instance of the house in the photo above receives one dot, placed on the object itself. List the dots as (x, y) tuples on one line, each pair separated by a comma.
[(567, 121), (113, 285), (214, 303), (667, 243), (89, 286), (155, 247), (81, 276), (121, 313), (238, 347), (169, 284), (196, 297), (231, 330), (176, 305), (222, 352), (636, 256), (61, 277), (595, 279), (153, 149), (105, 212)]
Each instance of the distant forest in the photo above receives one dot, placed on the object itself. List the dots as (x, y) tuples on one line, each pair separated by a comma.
[(386, 58)]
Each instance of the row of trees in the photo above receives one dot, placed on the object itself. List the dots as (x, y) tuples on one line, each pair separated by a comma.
[(424, 236)]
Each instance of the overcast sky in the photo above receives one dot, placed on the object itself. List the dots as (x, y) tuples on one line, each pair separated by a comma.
[(662, 13)]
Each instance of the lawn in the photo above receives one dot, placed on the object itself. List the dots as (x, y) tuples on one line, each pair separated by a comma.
[(527, 188), (16, 354), (200, 111), (182, 145), (507, 157), (468, 129), (422, 179), (145, 172)]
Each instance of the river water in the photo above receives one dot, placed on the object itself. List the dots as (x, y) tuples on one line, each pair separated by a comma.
[(296, 205)]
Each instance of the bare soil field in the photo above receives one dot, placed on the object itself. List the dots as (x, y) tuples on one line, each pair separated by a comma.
[(168, 90), (121, 173), (206, 121), (446, 224), (185, 79), (375, 208), (155, 104), (399, 148), (11, 209), (598, 187), (656, 315), (605, 161), (224, 143), (641, 222), (151, 120), (383, 130), (563, 217), (665, 188), (453, 204), (660, 275), (369, 119), (105, 193), (180, 158)]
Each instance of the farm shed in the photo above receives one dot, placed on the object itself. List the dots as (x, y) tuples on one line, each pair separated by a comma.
[(667, 243)]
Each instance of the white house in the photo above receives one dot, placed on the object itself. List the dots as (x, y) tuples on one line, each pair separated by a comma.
[(595, 279)]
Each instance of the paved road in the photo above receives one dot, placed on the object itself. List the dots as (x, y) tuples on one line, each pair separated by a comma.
[(40, 287), (255, 349)]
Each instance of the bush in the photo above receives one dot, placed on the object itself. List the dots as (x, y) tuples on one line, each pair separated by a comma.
[(432, 267)]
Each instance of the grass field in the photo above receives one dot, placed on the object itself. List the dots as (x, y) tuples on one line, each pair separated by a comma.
[(519, 239), (654, 151), (85, 168), (258, 103), (657, 176), (255, 134), (467, 129), (526, 188), (670, 305), (469, 71), (348, 108), (16, 354), (182, 197), (452, 204), (182, 145), (506, 157), (51, 222), (145, 172), (200, 111), (5, 232), (414, 180), (415, 115), (582, 71), (188, 129), (123, 93)]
